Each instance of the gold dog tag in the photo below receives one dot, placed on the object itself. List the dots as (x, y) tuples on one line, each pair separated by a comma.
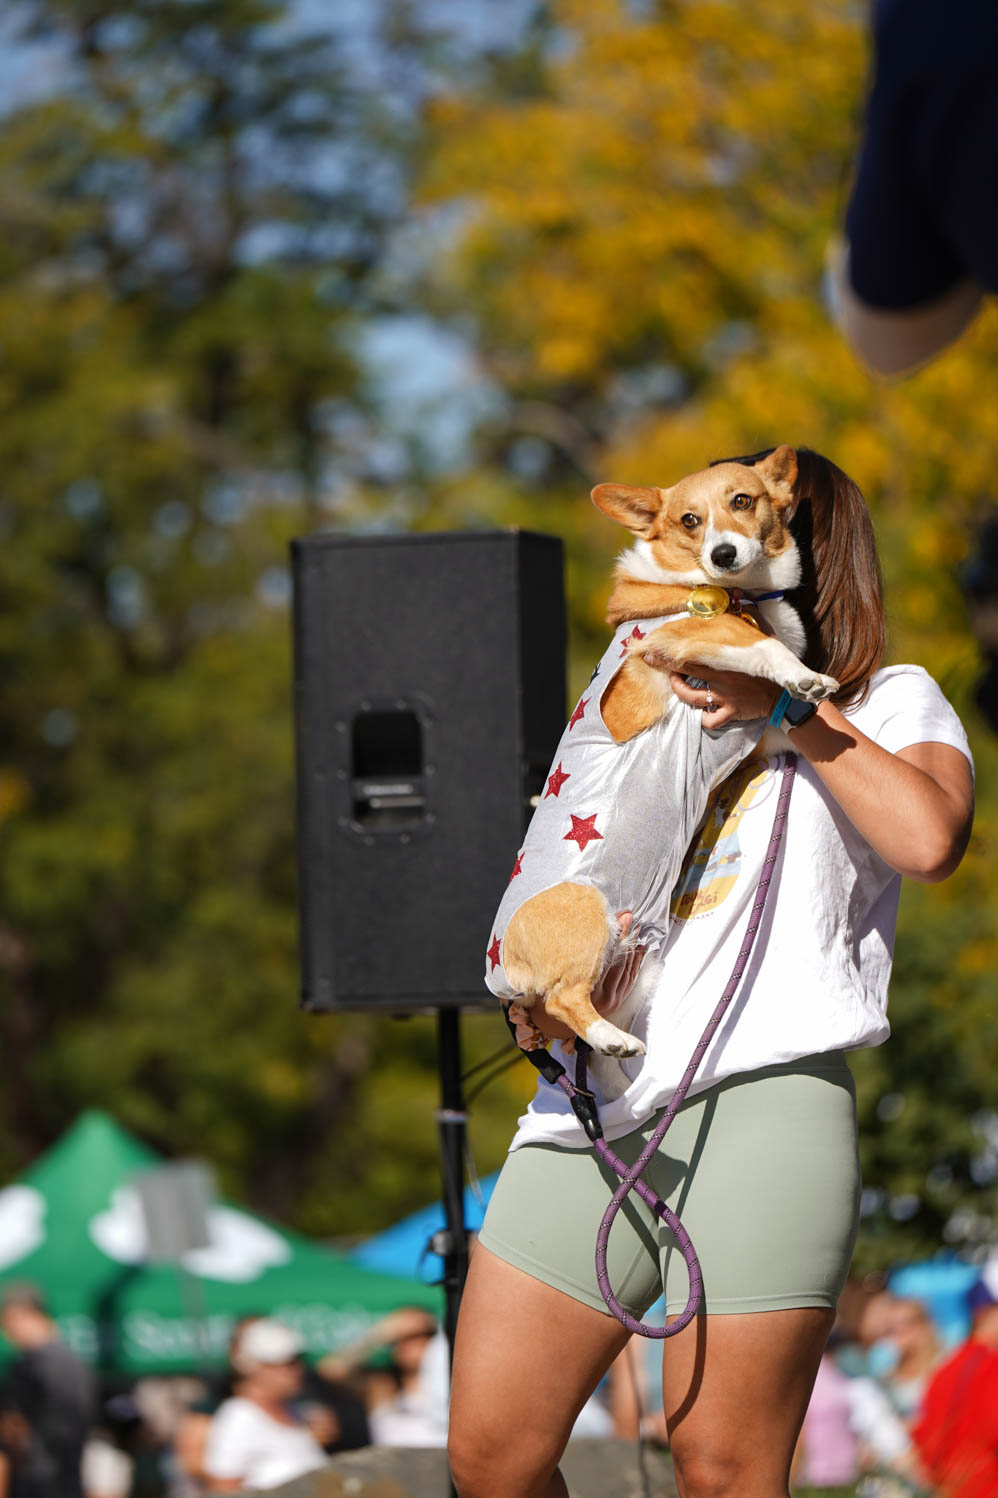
[(706, 602)]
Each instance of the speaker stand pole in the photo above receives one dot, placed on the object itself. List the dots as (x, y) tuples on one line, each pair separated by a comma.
[(451, 1119)]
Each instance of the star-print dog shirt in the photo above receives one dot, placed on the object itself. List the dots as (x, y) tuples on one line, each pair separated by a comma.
[(620, 816)]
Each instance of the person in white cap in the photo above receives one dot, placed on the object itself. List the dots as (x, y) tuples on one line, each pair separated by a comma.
[(257, 1440)]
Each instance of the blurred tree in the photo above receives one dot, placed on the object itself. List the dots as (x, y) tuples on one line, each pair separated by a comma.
[(625, 219), (193, 223), (645, 207)]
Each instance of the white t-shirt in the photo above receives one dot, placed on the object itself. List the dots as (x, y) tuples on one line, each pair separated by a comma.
[(105, 1469), (246, 1442), (818, 975), (420, 1418)]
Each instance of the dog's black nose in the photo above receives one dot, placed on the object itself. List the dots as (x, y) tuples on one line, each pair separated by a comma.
[(723, 555)]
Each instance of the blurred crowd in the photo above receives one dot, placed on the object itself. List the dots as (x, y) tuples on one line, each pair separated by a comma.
[(899, 1410), (268, 1418), (895, 1411)]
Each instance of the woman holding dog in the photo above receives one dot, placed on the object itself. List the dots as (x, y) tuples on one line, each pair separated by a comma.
[(761, 1160)]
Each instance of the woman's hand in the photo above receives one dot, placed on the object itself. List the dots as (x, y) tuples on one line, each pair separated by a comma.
[(621, 975), (735, 696), (610, 993)]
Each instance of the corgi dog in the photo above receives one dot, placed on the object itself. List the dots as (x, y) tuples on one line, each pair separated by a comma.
[(701, 586)]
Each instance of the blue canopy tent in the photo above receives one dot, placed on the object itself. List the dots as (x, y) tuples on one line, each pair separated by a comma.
[(407, 1242), (942, 1284)]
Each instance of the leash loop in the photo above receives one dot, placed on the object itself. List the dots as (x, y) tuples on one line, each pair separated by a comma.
[(630, 1175)]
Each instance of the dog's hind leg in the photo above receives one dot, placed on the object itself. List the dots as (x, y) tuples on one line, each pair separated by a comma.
[(556, 947)]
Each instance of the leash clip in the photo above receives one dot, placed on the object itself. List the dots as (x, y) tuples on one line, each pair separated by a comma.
[(584, 1107), (582, 1100)]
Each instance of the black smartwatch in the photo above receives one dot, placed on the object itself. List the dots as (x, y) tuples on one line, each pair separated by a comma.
[(789, 712), (796, 713)]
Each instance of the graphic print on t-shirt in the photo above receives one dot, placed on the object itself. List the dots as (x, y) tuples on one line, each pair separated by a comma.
[(712, 865)]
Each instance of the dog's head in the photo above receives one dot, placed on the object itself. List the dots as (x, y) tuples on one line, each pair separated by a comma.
[(726, 524)]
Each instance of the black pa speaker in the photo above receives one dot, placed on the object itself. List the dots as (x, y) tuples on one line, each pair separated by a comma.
[(430, 697)]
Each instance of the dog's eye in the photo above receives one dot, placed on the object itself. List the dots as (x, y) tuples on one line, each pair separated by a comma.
[(690, 521), (742, 502)]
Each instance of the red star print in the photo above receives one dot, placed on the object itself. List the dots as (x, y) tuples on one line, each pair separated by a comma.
[(517, 867), (635, 634), (493, 953), (583, 831), (579, 713), (556, 780)]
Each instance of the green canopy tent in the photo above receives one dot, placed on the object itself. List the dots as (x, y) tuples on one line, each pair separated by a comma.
[(73, 1226)]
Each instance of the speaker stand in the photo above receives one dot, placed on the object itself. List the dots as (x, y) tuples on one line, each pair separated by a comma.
[(452, 1120)]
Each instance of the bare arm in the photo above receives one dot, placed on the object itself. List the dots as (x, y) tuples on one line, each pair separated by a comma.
[(915, 808)]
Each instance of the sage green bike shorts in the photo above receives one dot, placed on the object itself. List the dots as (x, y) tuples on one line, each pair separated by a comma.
[(762, 1169)]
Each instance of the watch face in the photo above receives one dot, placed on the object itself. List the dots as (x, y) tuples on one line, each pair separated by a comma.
[(799, 712)]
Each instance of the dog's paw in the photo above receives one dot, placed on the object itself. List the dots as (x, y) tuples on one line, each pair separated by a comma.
[(809, 686), (610, 1041)]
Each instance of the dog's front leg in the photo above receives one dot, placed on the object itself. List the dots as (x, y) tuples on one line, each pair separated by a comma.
[(765, 657)]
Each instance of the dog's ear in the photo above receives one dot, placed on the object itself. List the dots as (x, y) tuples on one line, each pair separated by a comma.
[(630, 505), (779, 471)]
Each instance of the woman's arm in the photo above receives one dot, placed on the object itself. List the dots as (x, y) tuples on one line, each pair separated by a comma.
[(915, 808)]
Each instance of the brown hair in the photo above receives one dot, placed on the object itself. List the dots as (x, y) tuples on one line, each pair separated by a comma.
[(841, 594)]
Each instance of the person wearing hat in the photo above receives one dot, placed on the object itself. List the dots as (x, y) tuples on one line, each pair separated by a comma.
[(257, 1440), (957, 1433), (920, 250)]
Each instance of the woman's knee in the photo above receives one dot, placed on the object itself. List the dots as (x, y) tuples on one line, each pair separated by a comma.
[(491, 1460), (724, 1474), (705, 1475)]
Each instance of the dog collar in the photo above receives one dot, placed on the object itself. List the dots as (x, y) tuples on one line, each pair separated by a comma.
[(710, 601), (740, 599)]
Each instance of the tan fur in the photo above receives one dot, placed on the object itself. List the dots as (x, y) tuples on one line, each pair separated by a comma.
[(655, 514), (559, 942), (634, 599), (557, 945)]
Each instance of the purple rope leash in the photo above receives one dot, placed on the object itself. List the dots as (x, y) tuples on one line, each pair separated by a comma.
[(631, 1174)]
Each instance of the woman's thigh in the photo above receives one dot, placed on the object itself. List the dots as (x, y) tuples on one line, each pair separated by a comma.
[(526, 1359), (764, 1172), (736, 1389), (544, 1215)]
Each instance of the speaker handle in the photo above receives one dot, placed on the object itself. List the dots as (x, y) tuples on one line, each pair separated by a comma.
[(386, 761)]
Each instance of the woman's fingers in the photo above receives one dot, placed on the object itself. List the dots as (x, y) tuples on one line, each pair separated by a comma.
[(727, 696), (692, 696), (705, 699), (618, 980)]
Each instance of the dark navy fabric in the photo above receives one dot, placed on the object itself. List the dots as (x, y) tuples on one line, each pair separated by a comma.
[(924, 208)]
